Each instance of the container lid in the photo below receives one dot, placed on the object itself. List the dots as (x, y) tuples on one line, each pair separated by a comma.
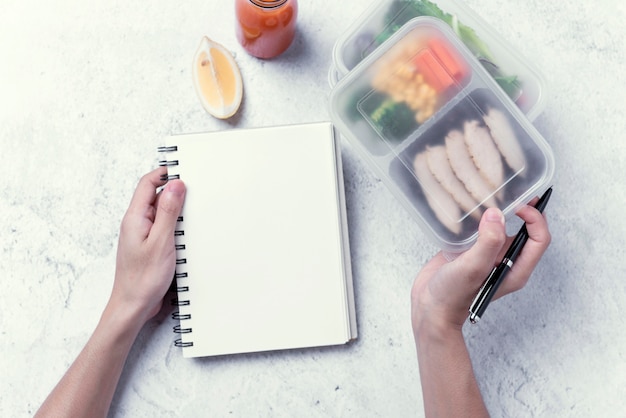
[(440, 133), (515, 75)]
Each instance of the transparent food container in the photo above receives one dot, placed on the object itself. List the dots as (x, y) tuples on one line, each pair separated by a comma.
[(440, 133), (515, 75)]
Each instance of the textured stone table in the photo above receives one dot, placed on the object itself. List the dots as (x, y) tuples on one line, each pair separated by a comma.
[(89, 89)]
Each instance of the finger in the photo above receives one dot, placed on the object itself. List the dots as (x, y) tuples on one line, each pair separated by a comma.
[(477, 262), (539, 239), (170, 203), (537, 226), (509, 240), (140, 213), (145, 193)]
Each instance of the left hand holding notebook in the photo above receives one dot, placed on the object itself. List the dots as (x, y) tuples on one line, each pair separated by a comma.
[(145, 267), (146, 256)]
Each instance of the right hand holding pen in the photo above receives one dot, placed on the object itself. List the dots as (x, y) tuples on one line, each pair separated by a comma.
[(444, 289)]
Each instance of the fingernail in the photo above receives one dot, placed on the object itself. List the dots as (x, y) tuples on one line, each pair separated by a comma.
[(175, 187), (494, 215)]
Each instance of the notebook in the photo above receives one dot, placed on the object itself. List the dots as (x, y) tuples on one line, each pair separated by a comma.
[(263, 260)]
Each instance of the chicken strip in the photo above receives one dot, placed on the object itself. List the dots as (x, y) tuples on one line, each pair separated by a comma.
[(505, 139), (464, 168), (440, 201), (484, 152), (439, 165)]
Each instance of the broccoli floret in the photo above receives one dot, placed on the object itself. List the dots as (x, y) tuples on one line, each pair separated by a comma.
[(394, 120)]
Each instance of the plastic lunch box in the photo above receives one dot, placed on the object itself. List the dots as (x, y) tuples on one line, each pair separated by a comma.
[(435, 126), (523, 82)]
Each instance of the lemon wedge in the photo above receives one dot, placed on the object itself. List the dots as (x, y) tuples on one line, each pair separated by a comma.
[(217, 79)]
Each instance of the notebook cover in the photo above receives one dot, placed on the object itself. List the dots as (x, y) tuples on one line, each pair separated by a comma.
[(266, 261)]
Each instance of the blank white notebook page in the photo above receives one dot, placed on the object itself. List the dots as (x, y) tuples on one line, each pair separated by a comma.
[(263, 238)]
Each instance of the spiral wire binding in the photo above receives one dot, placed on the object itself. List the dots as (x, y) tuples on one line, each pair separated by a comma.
[(180, 260)]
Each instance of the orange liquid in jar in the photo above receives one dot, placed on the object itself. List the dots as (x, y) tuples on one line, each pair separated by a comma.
[(265, 29)]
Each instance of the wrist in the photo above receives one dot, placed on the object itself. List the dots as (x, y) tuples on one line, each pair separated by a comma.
[(448, 383), (123, 319), (135, 298), (435, 327)]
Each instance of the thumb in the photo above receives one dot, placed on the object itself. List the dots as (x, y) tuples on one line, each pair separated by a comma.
[(170, 203), (478, 261)]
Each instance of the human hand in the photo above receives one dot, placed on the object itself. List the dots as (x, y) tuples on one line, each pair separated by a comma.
[(146, 260), (146, 256), (444, 290)]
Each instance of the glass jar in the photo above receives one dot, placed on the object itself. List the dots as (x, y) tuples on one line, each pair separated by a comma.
[(265, 29)]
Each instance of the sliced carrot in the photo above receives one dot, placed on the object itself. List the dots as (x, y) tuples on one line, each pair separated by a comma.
[(434, 73), (451, 61), (439, 65)]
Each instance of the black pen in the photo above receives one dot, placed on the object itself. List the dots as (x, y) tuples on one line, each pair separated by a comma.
[(495, 278)]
